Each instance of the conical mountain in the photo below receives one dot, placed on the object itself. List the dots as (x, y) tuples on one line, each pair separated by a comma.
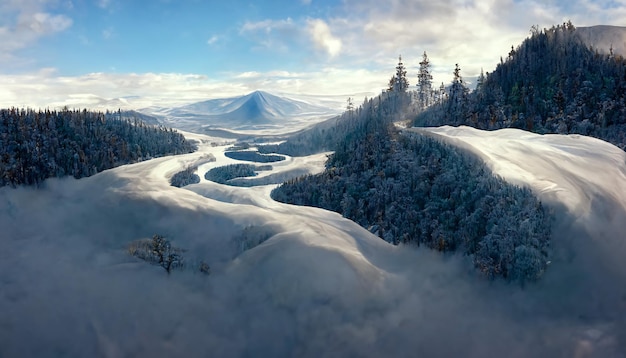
[(257, 107)]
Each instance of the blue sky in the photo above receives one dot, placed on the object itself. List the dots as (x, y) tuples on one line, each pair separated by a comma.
[(175, 51)]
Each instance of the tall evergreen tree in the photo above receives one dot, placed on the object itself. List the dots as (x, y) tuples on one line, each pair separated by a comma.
[(480, 80), (350, 105), (457, 94), (424, 83), (399, 83), (441, 96)]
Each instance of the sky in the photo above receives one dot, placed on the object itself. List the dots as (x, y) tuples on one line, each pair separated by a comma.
[(164, 52)]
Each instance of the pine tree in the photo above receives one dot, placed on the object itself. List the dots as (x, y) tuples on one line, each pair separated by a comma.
[(424, 83), (399, 83), (350, 105), (442, 93), (480, 80), (392, 84), (458, 94)]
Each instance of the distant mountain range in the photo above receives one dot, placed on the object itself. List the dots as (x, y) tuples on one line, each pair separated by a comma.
[(258, 110)]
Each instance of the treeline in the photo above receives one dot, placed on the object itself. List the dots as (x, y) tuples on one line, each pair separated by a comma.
[(410, 188), (552, 83), (35, 145)]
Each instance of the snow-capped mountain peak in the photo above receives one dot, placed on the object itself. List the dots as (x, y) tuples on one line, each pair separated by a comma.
[(255, 110)]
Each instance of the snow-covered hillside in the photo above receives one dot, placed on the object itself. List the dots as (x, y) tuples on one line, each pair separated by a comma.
[(318, 284)]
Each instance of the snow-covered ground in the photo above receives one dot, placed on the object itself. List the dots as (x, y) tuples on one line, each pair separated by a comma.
[(318, 284)]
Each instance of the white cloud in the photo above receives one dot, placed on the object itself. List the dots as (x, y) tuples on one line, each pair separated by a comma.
[(25, 22), (267, 26), (370, 34), (273, 35), (469, 32), (43, 23), (213, 40), (285, 35), (248, 74), (323, 38)]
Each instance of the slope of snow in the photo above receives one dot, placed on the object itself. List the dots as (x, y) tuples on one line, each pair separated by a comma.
[(314, 285), (568, 169), (584, 179)]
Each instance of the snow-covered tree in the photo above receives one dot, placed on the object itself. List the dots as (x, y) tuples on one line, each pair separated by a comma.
[(480, 81), (398, 82), (424, 83), (457, 95), (35, 145), (350, 105), (408, 188), (441, 95), (552, 83)]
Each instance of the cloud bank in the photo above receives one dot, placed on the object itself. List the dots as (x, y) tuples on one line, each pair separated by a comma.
[(134, 91)]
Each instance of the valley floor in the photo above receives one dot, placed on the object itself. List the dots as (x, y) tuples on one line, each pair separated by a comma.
[(301, 281)]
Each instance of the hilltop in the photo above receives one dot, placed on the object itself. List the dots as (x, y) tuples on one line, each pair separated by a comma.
[(554, 82)]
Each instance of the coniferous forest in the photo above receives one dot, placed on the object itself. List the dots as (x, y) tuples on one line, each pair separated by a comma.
[(412, 189), (35, 145), (552, 83)]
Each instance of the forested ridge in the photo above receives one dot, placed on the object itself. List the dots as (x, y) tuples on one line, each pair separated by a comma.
[(35, 145), (412, 189), (552, 83)]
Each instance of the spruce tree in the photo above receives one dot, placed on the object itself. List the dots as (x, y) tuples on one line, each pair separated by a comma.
[(399, 83), (457, 95), (350, 105), (392, 84), (424, 83)]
